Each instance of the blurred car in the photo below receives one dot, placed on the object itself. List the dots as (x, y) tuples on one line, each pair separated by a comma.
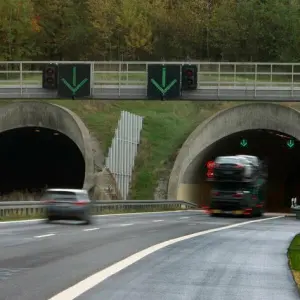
[(233, 168), (67, 204)]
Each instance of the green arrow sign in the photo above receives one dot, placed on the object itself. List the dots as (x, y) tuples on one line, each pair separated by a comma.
[(74, 87), (244, 143), (163, 88), (290, 143)]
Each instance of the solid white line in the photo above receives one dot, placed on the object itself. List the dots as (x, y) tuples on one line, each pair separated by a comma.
[(91, 229), (44, 235), (124, 225), (156, 221), (110, 215), (81, 287)]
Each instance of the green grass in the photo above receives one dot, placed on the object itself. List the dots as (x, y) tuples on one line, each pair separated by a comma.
[(166, 127), (294, 258)]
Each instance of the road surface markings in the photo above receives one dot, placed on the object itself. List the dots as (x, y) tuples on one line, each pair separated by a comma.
[(153, 230), (128, 224), (182, 218), (44, 235), (192, 224), (91, 229), (85, 285), (156, 221)]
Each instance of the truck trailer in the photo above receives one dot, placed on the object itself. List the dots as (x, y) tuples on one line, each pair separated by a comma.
[(238, 186)]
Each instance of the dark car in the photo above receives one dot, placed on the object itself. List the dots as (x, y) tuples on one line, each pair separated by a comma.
[(67, 204)]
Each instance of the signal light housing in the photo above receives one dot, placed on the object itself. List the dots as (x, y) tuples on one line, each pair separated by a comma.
[(189, 77), (50, 77)]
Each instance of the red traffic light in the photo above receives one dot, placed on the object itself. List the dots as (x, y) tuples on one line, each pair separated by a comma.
[(189, 72), (210, 164)]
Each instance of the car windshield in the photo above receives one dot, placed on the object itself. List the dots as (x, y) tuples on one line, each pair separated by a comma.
[(59, 195), (227, 159)]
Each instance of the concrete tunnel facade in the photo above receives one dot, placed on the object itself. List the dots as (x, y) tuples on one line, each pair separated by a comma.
[(56, 118), (184, 185)]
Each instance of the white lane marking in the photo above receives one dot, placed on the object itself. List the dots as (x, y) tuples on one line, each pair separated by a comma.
[(44, 235), (83, 286), (182, 218), (156, 221), (153, 230), (124, 225), (192, 224), (91, 229), (113, 215)]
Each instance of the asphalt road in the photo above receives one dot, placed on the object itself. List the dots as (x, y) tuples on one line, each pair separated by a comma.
[(39, 260)]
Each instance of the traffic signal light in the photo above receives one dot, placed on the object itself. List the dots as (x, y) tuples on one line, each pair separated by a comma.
[(189, 77), (50, 77)]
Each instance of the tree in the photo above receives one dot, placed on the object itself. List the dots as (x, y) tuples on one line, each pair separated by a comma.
[(16, 29)]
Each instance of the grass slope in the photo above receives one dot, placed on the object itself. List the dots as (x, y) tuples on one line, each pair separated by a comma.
[(166, 126), (294, 258)]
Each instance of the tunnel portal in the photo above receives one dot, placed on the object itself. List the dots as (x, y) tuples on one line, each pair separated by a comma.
[(32, 158), (278, 150), (269, 131)]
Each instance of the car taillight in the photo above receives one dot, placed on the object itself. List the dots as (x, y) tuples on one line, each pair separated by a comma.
[(81, 202), (247, 211), (210, 174), (238, 195), (210, 164), (239, 166)]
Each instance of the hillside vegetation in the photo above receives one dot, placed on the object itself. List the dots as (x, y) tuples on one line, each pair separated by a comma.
[(244, 30), (166, 127)]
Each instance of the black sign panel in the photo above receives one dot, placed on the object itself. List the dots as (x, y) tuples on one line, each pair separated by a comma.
[(163, 82), (74, 80)]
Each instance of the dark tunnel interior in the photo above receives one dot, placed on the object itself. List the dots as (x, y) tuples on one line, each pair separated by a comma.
[(33, 158), (279, 150)]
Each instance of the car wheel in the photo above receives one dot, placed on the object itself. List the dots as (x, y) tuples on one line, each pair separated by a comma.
[(49, 219)]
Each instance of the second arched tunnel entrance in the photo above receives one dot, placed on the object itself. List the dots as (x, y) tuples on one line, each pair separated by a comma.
[(278, 150), (265, 128), (32, 158)]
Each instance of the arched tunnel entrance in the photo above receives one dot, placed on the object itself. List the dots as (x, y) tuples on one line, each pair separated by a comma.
[(43, 145), (32, 158), (269, 131), (279, 151)]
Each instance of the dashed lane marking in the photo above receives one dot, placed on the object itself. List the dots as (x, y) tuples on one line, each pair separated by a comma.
[(128, 224), (157, 221), (91, 229), (44, 235)]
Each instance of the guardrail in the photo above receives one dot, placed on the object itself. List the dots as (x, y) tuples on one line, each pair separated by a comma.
[(128, 80), (37, 208)]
